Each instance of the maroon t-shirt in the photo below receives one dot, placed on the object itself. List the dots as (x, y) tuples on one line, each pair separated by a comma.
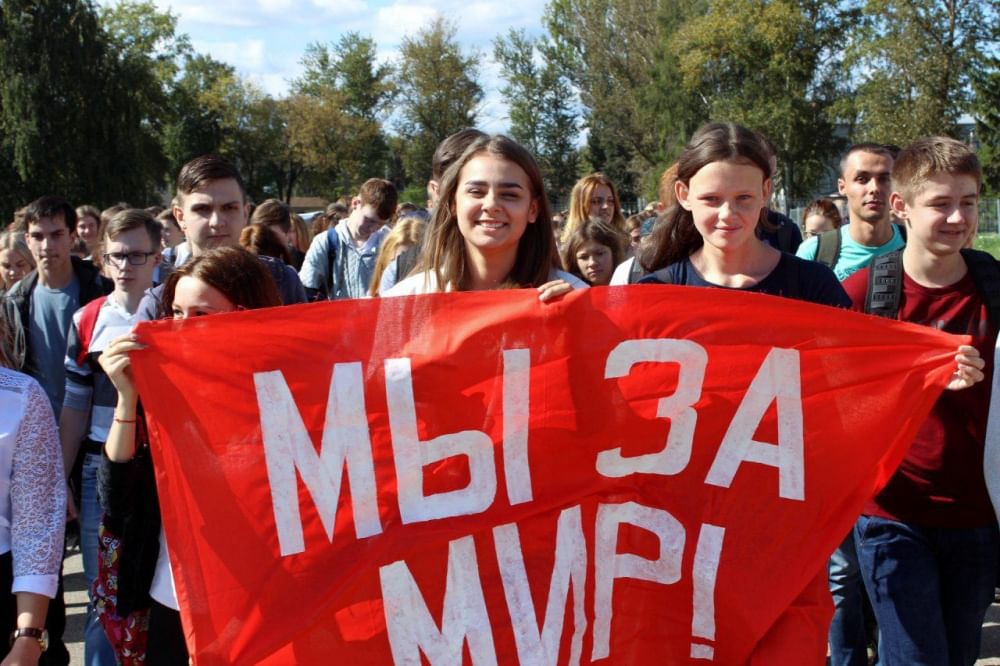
[(940, 481)]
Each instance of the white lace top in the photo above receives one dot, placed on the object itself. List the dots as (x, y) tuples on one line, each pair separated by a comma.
[(32, 486)]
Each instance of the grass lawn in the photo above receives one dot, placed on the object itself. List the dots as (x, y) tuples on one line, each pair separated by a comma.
[(990, 243)]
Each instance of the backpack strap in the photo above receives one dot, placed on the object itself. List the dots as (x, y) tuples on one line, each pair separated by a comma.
[(986, 274), (902, 230), (636, 271), (88, 322), (885, 284), (332, 250), (828, 248)]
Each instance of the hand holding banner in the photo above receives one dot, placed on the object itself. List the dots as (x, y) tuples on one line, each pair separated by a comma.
[(634, 475)]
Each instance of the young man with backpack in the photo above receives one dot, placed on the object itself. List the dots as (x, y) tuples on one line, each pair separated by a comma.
[(864, 182), (927, 543), (340, 262)]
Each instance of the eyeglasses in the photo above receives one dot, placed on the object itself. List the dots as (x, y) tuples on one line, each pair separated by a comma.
[(134, 258)]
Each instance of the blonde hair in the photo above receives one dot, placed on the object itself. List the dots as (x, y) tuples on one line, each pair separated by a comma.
[(303, 234), (927, 157), (579, 204), (408, 232), (15, 242)]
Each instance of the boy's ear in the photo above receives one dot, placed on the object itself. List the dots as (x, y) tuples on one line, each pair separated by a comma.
[(179, 216), (898, 205)]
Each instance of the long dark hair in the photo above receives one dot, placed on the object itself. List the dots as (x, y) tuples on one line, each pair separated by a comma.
[(239, 275), (444, 247), (675, 237)]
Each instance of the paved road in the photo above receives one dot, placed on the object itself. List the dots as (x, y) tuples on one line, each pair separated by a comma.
[(76, 606)]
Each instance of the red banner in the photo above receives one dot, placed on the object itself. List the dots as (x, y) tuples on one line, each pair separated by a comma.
[(630, 475)]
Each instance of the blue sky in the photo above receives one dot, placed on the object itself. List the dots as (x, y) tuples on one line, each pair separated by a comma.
[(264, 39)]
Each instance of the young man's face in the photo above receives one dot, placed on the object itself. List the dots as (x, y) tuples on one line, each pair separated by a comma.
[(50, 242), (364, 221), (131, 259), (942, 215), (213, 215), (866, 185)]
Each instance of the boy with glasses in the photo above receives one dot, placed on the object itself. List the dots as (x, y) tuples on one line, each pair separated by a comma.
[(131, 254)]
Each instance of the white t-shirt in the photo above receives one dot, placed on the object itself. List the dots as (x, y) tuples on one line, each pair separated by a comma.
[(162, 588), (620, 276)]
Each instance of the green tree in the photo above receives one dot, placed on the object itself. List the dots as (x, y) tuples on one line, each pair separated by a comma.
[(147, 50), (615, 54), (197, 124), (770, 65), (329, 142), (439, 93), (344, 79), (915, 60), (987, 113), (68, 124), (541, 103)]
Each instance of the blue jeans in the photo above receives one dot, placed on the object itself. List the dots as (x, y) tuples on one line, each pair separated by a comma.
[(930, 588), (848, 643), (97, 650)]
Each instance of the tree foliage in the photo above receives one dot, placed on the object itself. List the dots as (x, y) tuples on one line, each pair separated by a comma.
[(987, 109), (69, 124), (337, 111), (103, 105), (439, 93), (542, 113), (914, 61), (771, 66)]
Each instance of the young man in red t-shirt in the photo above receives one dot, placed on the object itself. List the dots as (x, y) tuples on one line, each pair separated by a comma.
[(928, 542)]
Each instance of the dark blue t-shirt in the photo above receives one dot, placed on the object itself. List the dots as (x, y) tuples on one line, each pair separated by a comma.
[(792, 278)]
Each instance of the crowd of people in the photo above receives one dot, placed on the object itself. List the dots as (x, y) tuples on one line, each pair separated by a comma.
[(922, 556)]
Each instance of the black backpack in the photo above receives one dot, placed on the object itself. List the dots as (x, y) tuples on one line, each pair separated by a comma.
[(885, 283)]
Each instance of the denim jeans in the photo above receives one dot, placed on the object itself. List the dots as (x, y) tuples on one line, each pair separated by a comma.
[(930, 588), (848, 642), (97, 650)]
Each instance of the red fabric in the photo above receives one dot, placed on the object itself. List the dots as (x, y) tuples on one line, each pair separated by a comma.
[(866, 385), (940, 482)]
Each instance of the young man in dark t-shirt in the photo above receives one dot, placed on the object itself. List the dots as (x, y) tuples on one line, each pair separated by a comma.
[(928, 543)]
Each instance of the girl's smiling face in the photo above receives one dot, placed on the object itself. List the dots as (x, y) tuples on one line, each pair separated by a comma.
[(725, 200), (494, 204)]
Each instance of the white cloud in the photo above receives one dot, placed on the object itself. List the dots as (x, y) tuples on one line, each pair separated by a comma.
[(341, 8), (403, 20), (247, 56), (265, 39)]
